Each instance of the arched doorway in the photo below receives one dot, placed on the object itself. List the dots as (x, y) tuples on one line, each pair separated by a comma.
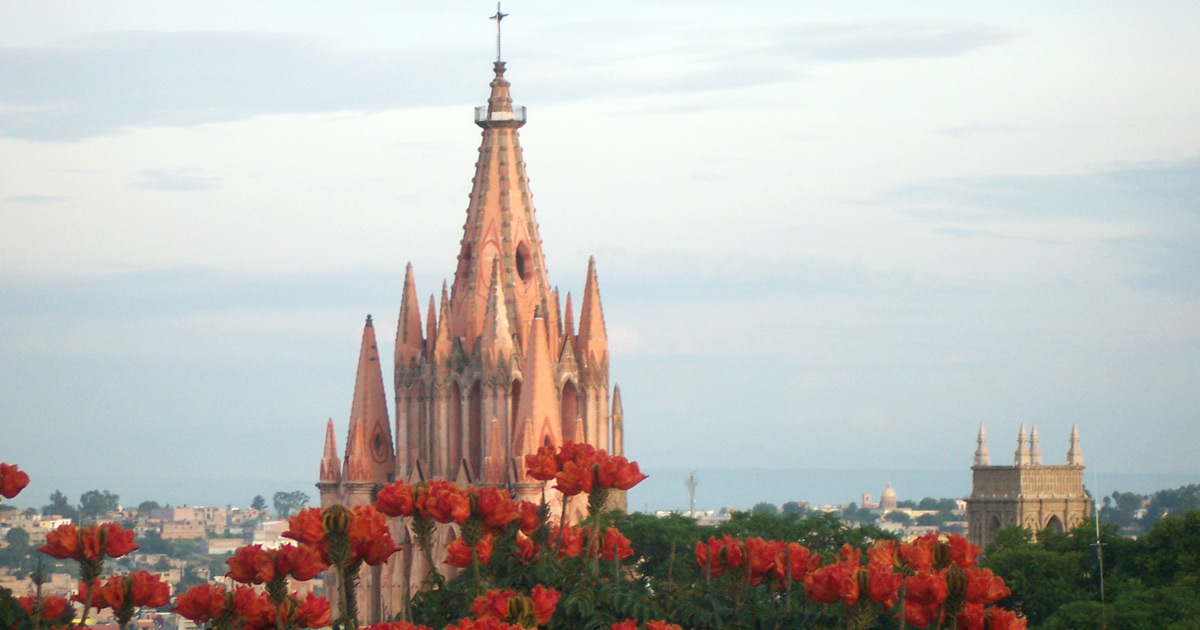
[(570, 411), (1054, 524)]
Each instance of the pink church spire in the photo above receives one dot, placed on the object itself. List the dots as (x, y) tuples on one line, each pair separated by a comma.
[(593, 340), (538, 415), (369, 454), (331, 469), (409, 343)]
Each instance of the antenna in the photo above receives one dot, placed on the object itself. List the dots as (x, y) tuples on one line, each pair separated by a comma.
[(690, 483), (1100, 561), (498, 17)]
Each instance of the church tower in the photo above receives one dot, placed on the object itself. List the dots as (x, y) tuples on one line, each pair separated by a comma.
[(497, 370)]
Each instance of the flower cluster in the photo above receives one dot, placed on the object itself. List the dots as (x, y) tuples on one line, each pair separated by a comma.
[(443, 501), (124, 593), (756, 559), (461, 554), (252, 564), (531, 610), (370, 541), (12, 480), (52, 609), (657, 624), (581, 468), (91, 544), (244, 607)]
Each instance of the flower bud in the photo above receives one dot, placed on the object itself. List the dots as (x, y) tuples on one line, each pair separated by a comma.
[(336, 519)]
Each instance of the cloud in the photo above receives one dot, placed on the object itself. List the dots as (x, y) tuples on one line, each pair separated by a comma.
[(978, 130), (184, 180), (103, 83), (866, 41), (35, 200)]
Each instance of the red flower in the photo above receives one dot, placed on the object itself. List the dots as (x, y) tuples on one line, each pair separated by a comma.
[(542, 465), (545, 600), (833, 583), (925, 589), (569, 542), (496, 507), (96, 591), (117, 541), (255, 608), (801, 559), (628, 624), (983, 587), (493, 603), (202, 603), (971, 617), (254, 565), (244, 565), (617, 472), (659, 624), (395, 500), (370, 537), (526, 548), (483, 550), (458, 554), (918, 615), (313, 612), (443, 502), (581, 453), (12, 480), (616, 545), (761, 554), (884, 585), (301, 563), (574, 479), (62, 542), (50, 608), (731, 552), (1006, 620), (530, 519), (918, 555), (962, 552), (305, 527), (396, 625), (147, 589), (884, 553)]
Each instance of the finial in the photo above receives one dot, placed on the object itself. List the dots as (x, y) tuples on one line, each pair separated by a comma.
[(498, 17), (982, 457), (369, 319)]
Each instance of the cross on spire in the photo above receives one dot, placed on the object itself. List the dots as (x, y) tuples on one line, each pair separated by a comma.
[(498, 17)]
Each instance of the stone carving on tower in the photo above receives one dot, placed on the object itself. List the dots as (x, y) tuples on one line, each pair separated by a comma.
[(1028, 494), (497, 370)]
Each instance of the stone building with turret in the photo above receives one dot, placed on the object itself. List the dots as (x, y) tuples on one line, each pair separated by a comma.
[(1028, 493), (498, 368)]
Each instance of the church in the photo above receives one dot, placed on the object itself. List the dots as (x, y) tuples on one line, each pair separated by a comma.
[(498, 367)]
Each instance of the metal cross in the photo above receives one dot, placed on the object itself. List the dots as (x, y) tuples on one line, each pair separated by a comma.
[(499, 16)]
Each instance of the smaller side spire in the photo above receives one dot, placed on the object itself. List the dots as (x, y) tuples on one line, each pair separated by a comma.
[(1035, 451), (331, 468), (369, 454), (982, 458), (618, 422), (430, 327), (568, 318), (538, 414), (493, 462), (1074, 454), (593, 340), (1021, 457), (408, 329), (445, 340)]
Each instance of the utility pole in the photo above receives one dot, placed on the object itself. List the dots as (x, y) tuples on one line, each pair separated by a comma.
[(691, 482), (1100, 561)]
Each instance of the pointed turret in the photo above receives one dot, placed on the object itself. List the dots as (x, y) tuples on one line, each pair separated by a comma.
[(537, 409), (982, 458), (369, 455), (1021, 457), (568, 318), (493, 462), (618, 423), (1074, 453), (331, 468), (1035, 451), (497, 343), (430, 327), (409, 343), (445, 339), (593, 340), (500, 224)]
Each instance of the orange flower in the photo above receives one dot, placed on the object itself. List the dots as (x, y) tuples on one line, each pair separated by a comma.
[(526, 548), (202, 603), (396, 625), (443, 502), (254, 608), (314, 612), (761, 554), (542, 465), (801, 559), (305, 527), (884, 585), (962, 552), (617, 472), (545, 600), (530, 519), (147, 589), (917, 556), (62, 542), (833, 583), (918, 615), (117, 541), (984, 587), (493, 603), (581, 453), (574, 479), (628, 624), (483, 549), (458, 554), (12, 480), (496, 507), (569, 543), (248, 565), (659, 624), (369, 536), (395, 499), (615, 545), (925, 589), (972, 617), (884, 553)]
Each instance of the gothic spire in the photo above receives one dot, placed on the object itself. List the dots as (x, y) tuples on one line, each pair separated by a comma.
[(1074, 453), (618, 423), (593, 341), (331, 469), (408, 329), (1021, 457), (538, 413), (1035, 451), (369, 454), (497, 344), (982, 458)]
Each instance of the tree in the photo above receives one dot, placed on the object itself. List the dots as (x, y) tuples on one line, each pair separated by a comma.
[(146, 507), (96, 503), (286, 503), (896, 516), (794, 507), (18, 540), (765, 508), (61, 506), (259, 503)]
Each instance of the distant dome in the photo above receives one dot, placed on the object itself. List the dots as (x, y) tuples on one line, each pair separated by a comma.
[(887, 499)]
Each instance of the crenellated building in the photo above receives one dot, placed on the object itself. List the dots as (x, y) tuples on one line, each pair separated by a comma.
[(1028, 493), (497, 368)]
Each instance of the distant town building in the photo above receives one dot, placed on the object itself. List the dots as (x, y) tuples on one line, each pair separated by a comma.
[(887, 498), (1029, 493)]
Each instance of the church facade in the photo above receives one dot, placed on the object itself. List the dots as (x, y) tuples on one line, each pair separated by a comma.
[(498, 367), (1027, 494)]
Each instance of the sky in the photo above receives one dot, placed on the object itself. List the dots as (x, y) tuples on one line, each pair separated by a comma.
[(828, 235)]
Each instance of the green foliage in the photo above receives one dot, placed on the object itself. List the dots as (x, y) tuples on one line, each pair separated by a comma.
[(288, 503), (60, 505), (145, 507), (96, 503), (17, 539), (258, 503), (764, 508), (12, 615)]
